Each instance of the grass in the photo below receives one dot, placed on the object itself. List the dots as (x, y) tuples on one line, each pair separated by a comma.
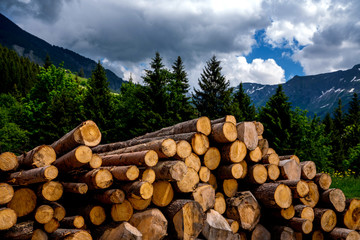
[(350, 185)]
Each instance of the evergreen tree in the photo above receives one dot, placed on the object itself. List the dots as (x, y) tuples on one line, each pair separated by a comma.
[(338, 153), (353, 115), (244, 109), (48, 62), (214, 97), (81, 72)]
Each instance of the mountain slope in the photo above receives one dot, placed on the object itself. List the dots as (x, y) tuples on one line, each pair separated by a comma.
[(28, 45), (318, 94)]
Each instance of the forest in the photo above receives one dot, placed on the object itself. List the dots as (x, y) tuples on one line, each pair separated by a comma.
[(39, 104)]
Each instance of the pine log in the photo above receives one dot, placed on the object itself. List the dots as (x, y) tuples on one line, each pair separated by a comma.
[(325, 219), (259, 128), (254, 156), (187, 218), (95, 162), (212, 181), (151, 223), (74, 159), (216, 227), (36, 175), (299, 188), (97, 178), (170, 170), (220, 204), (189, 181), (224, 132), (6, 193), (23, 202), (351, 217), (139, 189), (183, 149), (7, 218), (334, 198), (257, 174), (244, 208), (273, 195), (212, 158), (205, 195), (245, 169), (147, 175), (273, 171), (301, 225), (122, 211), (271, 150), (234, 225), (110, 196), (163, 193), (40, 156), (70, 234), (247, 133), (260, 233), (263, 144), (313, 197), (284, 213), (20, 231), (227, 118), (78, 188), (233, 152), (59, 210), (113, 230), (308, 170), (204, 174), (323, 180), (51, 225), (290, 169), (87, 133), (72, 222), (193, 161), (344, 234), (287, 157), (148, 158), (50, 191), (124, 173), (316, 235), (39, 234), (305, 212), (282, 233), (271, 158), (139, 203), (93, 214), (298, 236), (44, 213), (8, 161), (230, 187), (230, 171)]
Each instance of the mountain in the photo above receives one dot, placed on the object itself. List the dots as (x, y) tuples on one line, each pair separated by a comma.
[(36, 49), (318, 94)]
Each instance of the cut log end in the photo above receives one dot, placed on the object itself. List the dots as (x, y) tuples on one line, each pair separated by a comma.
[(44, 156), (122, 211), (352, 215), (88, 134), (151, 158), (103, 179), (247, 133), (255, 155), (97, 215), (148, 175), (224, 132), (200, 143), (273, 172), (44, 213), (308, 170), (163, 193), (230, 187), (7, 218), (236, 152), (83, 154), (203, 125), (220, 204), (189, 181), (212, 158), (258, 174), (282, 196), (168, 147), (183, 149), (96, 161), (204, 174), (8, 161), (51, 191), (23, 202), (193, 161), (6, 193)]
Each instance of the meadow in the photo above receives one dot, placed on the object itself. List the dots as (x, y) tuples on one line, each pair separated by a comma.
[(348, 182)]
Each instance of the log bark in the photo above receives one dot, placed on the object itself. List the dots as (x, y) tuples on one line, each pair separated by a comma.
[(273, 171), (247, 133), (78, 188), (230, 187), (282, 233), (193, 161), (6, 193), (224, 132), (259, 128), (44, 213), (313, 197), (148, 175), (344, 234), (87, 133), (189, 181), (139, 189), (351, 217), (212, 158), (170, 170), (144, 158), (23, 202), (124, 173), (20, 231), (299, 188), (301, 225), (257, 174), (287, 157), (263, 144), (163, 193), (7, 218), (273, 195), (70, 234), (74, 159), (110, 196), (73, 222), (151, 223), (290, 169), (245, 209), (8, 161), (96, 178), (305, 212), (216, 227), (50, 191), (227, 118), (204, 174), (220, 204), (260, 233), (36, 175), (334, 198), (205, 195), (271, 158), (254, 156), (40, 156), (230, 171), (122, 211), (325, 219), (117, 231), (308, 170), (233, 152)]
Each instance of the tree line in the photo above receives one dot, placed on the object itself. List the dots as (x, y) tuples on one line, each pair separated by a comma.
[(54, 102)]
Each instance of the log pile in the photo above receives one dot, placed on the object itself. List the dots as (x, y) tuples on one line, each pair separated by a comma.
[(198, 179)]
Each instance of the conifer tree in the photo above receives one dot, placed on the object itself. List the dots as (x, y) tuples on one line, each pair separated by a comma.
[(213, 99), (244, 109), (353, 115), (338, 151), (48, 62)]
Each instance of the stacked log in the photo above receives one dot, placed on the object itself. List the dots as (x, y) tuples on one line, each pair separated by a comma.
[(199, 179)]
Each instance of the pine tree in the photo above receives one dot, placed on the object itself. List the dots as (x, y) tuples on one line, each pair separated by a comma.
[(353, 115), (214, 97), (338, 152), (48, 62), (244, 109)]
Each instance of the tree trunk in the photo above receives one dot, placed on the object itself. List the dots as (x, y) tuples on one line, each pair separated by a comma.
[(147, 175), (257, 174), (189, 181), (220, 204), (290, 169), (44, 213), (40, 156), (308, 170), (122, 211), (87, 133), (8, 162), (23, 202), (78, 188), (205, 195), (305, 212), (73, 222), (230, 187), (51, 226), (233, 152), (351, 217), (260, 233), (224, 132), (74, 159), (230, 171), (50, 191), (344, 234), (212, 158), (254, 156), (287, 157), (334, 198), (163, 193), (20, 231), (216, 227), (299, 188), (148, 158), (247, 133), (124, 173), (139, 189), (263, 144), (273, 171), (273, 195), (36, 175), (97, 178), (204, 174), (7, 218), (110, 196), (193, 161), (325, 219), (170, 170), (323, 180), (313, 197), (301, 225), (271, 158), (227, 118), (6, 193), (117, 231)]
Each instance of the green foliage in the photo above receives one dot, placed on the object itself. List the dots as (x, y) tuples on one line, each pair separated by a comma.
[(244, 110), (347, 182), (214, 97), (48, 62), (354, 159)]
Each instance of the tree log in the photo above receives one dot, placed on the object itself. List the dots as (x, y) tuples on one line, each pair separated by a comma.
[(40, 156), (51, 226), (227, 118), (205, 195), (124, 173), (271, 158), (299, 188), (220, 204), (50, 191), (74, 159), (93, 214), (139, 203), (305, 212), (230, 187), (193, 161), (212, 158), (148, 175), (96, 178), (139, 189), (73, 222), (313, 197), (233, 152), (230, 171), (234, 225), (259, 128), (8, 161), (351, 217), (316, 235), (282, 233), (87, 133), (212, 181), (78, 188), (110, 196), (6, 193), (263, 144), (44, 213), (36, 175), (260, 233), (257, 174), (117, 231), (23, 202), (7, 218), (290, 169), (273, 195), (39, 234), (247, 133), (20, 231), (163, 193), (287, 157), (170, 170), (224, 132), (216, 227), (59, 210), (334, 198), (255, 155), (301, 225), (189, 181), (273, 171), (70, 234), (323, 180), (151, 223), (325, 219), (183, 149), (308, 170), (148, 158), (121, 211), (344, 234), (204, 174), (95, 162)]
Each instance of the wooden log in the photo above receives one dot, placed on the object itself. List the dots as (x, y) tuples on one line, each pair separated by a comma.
[(170, 170), (323, 180), (78, 188), (148, 175), (271, 150), (282, 233), (270, 214), (124, 173), (233, 152), (351, 217), (259, 128), (245, 209), (122, 230), (212, 181), (344, 234), (216, 226), (189, 181), (305, 212), (247, 133), (290, 169), (93, 214), (59, 210), (87, 133), (151, 223), (220, 204), (287, 213), (144, 158), (7, 218), (315, 235), (227, 118), (163, 193), (205, 195), (39, 234), (44, 213), (325, 219), (50, 191), (308, 170), (110, 196), (204, 174), (287, 157), (254, 156), (301, 225), (257, 174), (74, 159), (6, 193), (263, 144), (193, 161), (245, 169), (72, 222), (70, 234), (212, 158), (95, 162), (299, 188), (23, 202), (273, 195), (224, 132), (271, 158), (51, 225), (273, 171), (187, 218), (122, 211), (230, 171), (230, 187), (97, 178), (234, 225), (36, 175), (313, 197), (8, 161), (139, 203), (334, 198), (40, 156), (20, 231), (260, 233), (183, 149), (139, 189)]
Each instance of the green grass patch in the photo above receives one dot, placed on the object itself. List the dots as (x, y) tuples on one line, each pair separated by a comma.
[(350, 185)]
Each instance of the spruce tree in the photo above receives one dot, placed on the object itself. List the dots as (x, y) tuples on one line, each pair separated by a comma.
[(338, 151), (214, 97), (244, 109), (353, 115), (48, 62)]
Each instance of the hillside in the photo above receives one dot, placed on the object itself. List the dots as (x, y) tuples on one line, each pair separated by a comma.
[(318, 94), (28, 45)]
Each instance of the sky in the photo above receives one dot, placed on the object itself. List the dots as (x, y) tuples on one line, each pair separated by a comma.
[(260, 41)]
